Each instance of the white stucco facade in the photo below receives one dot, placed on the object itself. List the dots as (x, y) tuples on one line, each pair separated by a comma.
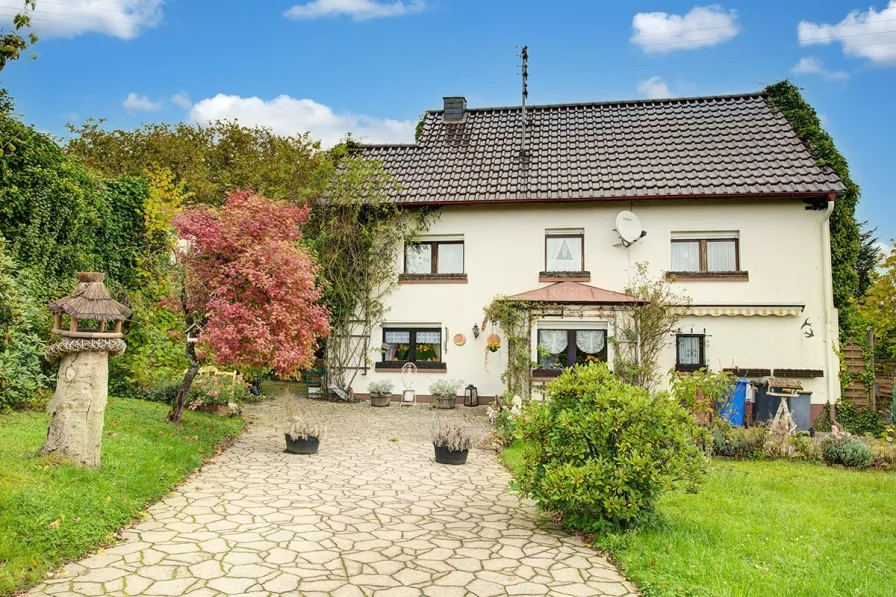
[(782, 248)]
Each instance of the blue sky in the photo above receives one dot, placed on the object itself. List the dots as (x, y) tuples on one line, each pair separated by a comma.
[(331, 66)]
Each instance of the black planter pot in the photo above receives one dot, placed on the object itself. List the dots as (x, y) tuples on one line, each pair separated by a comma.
[(302, 446), (446, 456)]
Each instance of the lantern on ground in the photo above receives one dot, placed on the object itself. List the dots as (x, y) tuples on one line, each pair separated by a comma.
[(76, 426), (471, 396)]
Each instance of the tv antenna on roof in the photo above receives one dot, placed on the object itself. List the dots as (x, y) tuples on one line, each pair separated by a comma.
[(524, 56), (629, 229)]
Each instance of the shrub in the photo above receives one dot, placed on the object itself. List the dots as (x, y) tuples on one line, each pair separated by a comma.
[(845, 450), (503, 419), (704, 393), (603, 452), (859, 420), (380, 388), (823, 421), (162, 391), (213, 389), (739, 442), (883, 456)]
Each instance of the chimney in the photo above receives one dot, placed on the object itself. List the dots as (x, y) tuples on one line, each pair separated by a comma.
[(455, 107)]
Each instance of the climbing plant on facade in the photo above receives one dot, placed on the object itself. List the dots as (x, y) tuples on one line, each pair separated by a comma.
[(845, 234), (358, 235)]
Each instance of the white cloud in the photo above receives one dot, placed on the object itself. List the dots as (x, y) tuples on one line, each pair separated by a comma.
[(141, 103), (181, 99), (358, 10), (866, 34), (125, 19), (702, 27), (812, 66), (654, 88), (287, 115)]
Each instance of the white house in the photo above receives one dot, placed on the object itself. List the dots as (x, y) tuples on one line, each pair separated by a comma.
[(731, 203)]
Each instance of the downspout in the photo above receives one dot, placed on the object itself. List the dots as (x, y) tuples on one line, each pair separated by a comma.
[(827, 283)]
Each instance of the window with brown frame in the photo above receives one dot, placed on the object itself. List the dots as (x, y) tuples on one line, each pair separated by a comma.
[(705, 255), (690, 352), (434, 257), (422, 346), (564, 251)]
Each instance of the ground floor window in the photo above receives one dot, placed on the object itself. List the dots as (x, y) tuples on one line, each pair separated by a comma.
[(690, 352), (558, 349), (422, 346)]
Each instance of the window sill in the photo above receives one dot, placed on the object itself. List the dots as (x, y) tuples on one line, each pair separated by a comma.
[(546, 374), (799, 373), (749, 372), (564, 276), (708, 276), (688, 368), (395, 367), (432, 278)]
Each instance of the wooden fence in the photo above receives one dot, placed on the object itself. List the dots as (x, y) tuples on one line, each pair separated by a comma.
[(884, 372)]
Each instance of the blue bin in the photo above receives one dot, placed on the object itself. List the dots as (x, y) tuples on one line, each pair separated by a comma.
[(734, 411)]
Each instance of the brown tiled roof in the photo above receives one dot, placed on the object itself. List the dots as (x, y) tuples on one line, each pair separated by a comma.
[(575, 293), (698, 147)]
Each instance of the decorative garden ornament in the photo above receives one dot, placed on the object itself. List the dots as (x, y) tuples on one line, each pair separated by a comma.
[(82, 386), (408, 372)]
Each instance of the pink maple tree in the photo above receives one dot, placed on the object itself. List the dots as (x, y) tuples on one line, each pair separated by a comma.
[(249, 285)]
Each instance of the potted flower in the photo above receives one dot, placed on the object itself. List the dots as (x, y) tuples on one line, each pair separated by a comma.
[(452, 443), (493, 343), (380, 393), (302, 437), (444, 392)]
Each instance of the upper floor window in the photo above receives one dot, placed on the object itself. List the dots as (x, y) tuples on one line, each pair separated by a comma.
[(706, 252), (564, 250), (690, 352), (434, 257), (422, 346)]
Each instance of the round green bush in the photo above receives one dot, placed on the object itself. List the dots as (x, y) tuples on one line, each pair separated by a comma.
[(847, 451), (602, 452)]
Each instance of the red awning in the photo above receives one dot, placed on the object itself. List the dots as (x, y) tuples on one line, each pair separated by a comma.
[(575, 293)]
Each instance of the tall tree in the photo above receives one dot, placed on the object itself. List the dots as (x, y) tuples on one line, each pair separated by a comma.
[(869, 256), (210, 161), (877, 309), (249, 290), (14, 43)]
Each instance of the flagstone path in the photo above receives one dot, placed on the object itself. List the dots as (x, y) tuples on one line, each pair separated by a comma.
[(371, 515)]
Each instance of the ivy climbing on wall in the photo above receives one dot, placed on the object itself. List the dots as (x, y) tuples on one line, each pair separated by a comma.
[(845, 235)]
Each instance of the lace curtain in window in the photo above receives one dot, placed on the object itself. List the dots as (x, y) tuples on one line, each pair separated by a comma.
[(591, 341)]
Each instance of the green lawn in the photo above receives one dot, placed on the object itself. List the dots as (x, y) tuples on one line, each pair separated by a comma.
[(766, 529), (51, 512)]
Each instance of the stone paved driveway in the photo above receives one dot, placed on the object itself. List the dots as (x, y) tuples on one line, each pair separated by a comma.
[(371, 515)]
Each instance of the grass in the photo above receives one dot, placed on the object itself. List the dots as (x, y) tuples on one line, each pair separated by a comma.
[(765, 528), (51, 512)]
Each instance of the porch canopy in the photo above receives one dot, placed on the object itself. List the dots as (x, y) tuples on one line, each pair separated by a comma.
[(575, 293)]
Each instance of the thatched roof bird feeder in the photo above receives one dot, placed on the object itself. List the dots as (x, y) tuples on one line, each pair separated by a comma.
[(90, 300)]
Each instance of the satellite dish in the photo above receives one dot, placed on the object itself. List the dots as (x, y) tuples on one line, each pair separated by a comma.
[(628, 226)]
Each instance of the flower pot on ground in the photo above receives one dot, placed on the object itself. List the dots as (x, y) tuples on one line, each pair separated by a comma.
[(302, 436), (444, 393), (452, 443), (380, 393)]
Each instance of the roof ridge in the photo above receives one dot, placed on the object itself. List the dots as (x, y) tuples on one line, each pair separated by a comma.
[(677, 100)]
